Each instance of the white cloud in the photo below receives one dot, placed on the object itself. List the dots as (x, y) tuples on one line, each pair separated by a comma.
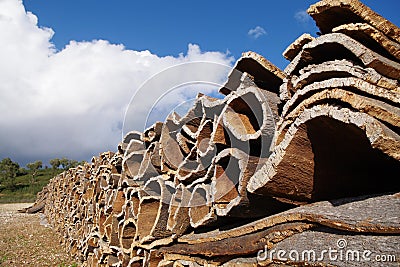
[(72, 102), (257, 32), (302, 16)]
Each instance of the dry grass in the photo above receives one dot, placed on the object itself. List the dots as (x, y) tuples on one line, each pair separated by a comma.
[(24, 242)]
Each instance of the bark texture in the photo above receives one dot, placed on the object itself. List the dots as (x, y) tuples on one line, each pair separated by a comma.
[(288, 160)]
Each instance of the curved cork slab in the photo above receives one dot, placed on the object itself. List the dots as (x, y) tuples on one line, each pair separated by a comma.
[(240, 245), (248, 115), (372, 38), (201, 210), (329, 14), (153, 210), (325, 147), (133, 135), (294, 48), (375, 108), (233, 169), (366, 214), (178, 219), (337, 69), (339, 46), (261, 71)]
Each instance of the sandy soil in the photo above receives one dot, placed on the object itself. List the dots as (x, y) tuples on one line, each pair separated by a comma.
[(24, 242)]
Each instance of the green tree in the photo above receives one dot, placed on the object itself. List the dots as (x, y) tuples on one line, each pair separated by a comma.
[(22, 171), (55, 163), (34, 167), (63, 163), (8, 172), (68, 163), (72, 163)]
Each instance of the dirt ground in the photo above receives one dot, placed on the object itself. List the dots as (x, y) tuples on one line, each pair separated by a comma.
[(25, 242)]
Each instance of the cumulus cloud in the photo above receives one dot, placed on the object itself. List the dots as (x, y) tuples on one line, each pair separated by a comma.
[(257, 32), (302, 16), (72, 102)]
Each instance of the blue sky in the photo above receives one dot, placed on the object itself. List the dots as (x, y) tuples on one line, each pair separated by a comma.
[(167, 27), (69, 68)]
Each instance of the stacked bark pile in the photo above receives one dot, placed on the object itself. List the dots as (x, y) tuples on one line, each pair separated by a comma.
[(287, 160)]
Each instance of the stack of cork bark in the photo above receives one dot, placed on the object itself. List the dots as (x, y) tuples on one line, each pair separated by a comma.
[(297, 161)]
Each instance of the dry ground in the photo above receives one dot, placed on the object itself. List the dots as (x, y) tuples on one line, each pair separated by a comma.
[(24, 242)]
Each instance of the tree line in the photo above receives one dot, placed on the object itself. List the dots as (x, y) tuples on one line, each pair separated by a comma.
[(10, 170)]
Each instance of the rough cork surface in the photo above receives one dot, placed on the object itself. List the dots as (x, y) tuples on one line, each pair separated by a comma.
[(331, 13)]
